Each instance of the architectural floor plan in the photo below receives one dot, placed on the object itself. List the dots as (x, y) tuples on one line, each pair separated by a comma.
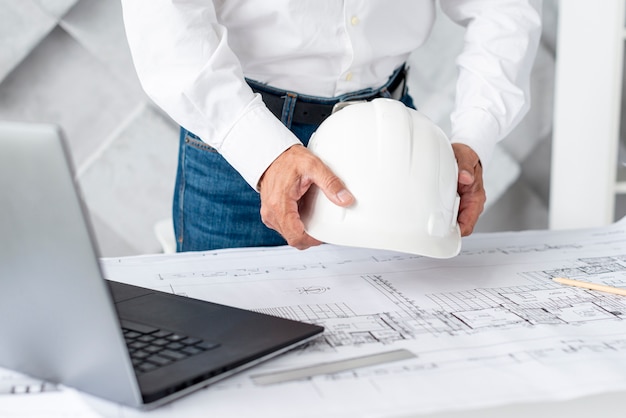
[(487, 327)]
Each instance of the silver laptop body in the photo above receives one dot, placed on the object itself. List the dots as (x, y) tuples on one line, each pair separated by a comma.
[(60, 320)]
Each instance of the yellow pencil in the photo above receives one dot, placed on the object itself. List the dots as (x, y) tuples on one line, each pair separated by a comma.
[(592, 286)]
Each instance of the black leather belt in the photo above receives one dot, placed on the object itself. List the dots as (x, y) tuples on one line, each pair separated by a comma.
[(308, 111)]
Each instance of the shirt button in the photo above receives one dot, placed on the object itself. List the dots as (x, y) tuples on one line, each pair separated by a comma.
[(349, 76), (355, 20)]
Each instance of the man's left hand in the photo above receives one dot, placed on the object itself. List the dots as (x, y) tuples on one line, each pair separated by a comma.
[(470, 187)]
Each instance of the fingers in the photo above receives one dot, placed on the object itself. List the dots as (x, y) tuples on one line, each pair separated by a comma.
[(288, 178), (470, 208), (470, 188), (333, 187), (285, 182)]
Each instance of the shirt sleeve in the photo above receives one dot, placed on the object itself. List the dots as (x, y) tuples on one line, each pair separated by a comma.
[(186, 67), (493, 87)]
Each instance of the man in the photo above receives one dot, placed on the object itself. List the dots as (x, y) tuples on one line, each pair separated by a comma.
[(250, 80)]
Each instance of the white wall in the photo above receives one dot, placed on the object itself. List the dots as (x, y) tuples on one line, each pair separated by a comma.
[(67, 62)]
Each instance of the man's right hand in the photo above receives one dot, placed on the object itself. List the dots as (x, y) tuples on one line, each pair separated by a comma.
[(283, 185)]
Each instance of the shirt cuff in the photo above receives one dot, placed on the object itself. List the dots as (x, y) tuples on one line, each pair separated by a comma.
[(477, 129), (254, 142)]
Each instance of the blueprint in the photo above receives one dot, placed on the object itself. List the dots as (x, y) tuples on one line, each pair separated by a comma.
[(488, 327)]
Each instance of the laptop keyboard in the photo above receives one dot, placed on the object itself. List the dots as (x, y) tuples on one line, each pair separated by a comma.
[(151, 348)]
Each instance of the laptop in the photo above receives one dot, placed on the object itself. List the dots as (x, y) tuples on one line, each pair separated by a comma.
[(62, 322)]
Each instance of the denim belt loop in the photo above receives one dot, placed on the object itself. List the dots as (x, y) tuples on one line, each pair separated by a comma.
[(288, 109)]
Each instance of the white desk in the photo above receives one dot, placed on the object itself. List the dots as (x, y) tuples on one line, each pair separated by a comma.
[(492, 334)]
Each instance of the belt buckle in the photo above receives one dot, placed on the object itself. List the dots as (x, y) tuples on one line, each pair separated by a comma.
[(338, 106)]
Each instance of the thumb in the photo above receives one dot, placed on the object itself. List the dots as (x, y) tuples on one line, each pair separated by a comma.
[(333, 188), (466, 160)]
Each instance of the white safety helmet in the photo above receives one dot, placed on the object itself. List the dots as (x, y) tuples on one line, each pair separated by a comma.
[(402, 171)]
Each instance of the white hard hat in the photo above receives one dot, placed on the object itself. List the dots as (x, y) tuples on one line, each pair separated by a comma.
[(401, 169)]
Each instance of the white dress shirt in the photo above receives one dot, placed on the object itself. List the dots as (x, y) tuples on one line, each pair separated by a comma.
[(191, 57)]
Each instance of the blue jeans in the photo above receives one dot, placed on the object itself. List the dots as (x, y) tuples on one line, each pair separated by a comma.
[(214, 207)]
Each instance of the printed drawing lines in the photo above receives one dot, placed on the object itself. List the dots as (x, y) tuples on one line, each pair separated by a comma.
[(463, 312), (27, 387), (534, 301), (311, 313)]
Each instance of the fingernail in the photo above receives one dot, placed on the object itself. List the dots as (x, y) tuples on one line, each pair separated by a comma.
[(344, 196), (467, 174)]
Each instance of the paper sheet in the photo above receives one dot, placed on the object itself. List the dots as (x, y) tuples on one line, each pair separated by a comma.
[(24, 397), (488, 327)]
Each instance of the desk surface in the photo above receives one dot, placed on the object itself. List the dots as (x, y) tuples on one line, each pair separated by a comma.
[(605, 405), (491, 334)]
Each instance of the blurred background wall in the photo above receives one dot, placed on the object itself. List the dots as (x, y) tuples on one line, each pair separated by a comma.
[(67, 62)]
